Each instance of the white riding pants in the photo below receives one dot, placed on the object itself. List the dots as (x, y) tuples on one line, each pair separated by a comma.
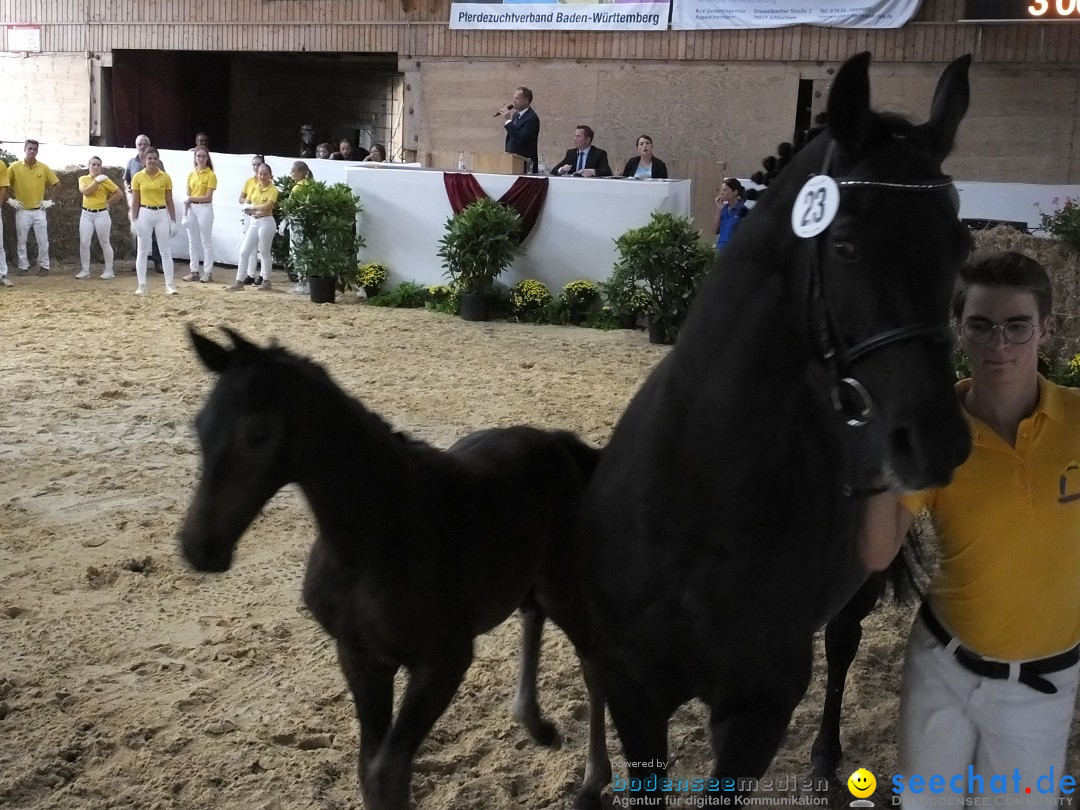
[(260, 233), (253, 263), (24, 221), (200, 228), (3, 253), (99, 222), (951, 718), (153, 222)]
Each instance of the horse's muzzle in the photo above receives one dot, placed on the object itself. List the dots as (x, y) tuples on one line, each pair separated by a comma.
[(203, 554), (920, 457)]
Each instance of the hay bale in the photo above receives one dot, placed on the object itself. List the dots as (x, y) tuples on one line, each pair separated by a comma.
[(1064, 268), (64, 223)]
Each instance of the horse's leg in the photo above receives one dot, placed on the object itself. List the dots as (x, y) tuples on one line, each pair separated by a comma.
[(432, 686), (643, 730), (843, 634), (598, 766), (372, 687), (526, 708)]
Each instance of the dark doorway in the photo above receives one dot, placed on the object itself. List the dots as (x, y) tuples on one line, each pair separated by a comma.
[(804, 107)]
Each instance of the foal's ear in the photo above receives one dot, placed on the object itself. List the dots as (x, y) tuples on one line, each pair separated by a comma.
[(948, 108), (849, 103), (244, 347), (214, 357)]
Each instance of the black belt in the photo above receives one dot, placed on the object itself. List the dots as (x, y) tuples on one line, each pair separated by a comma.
[(200, 202), (1031, 672), (153, 207), (94, 210)]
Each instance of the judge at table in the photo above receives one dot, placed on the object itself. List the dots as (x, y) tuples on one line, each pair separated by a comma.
[(584, 160)]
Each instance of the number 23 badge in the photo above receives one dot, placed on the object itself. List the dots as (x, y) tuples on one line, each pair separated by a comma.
[(815, 206)]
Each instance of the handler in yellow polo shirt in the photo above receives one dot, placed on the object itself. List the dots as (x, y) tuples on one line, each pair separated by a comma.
[(249, 186), (199, 217), (991, 670), (98, 192), (5, 187), (153, 213), (34, 188), (260, 233)]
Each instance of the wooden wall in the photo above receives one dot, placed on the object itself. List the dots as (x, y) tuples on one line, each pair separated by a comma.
[(382, 26)]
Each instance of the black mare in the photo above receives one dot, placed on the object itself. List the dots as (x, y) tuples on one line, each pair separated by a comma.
[(444, 546), (720, 520)]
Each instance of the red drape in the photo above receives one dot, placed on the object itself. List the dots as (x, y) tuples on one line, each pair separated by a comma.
[(526, 196)]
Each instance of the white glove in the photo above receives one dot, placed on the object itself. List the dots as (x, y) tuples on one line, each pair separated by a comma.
[(183, 221), (174, 229), (101, 178), (18, 206), (281, 228), (47, 204), (135, 228), (187, 200)]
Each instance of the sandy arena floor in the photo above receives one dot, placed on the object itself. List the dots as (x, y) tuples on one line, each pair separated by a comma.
[(127, 681)]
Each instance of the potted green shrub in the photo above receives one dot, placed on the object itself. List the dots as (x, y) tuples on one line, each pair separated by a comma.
[(579, 298), (626, 300), (324, 252), (529, 300), (477, 247), (371, 276), (668, 260)]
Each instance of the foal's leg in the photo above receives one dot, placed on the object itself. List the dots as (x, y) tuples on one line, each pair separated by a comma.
[(431, 687), (598, 766), (526, 709), (643, 730), (842, 636), (372, 687)]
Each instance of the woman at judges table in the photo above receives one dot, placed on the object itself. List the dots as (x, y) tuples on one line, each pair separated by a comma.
[(98, 193), (644, 165), (199, 216), (153, 213), (245, 195), (260, 233)]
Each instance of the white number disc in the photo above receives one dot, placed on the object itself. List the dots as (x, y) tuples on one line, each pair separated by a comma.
[(816, 206)]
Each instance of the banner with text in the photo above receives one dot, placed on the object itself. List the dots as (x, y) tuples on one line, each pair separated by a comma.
[(691, 14), (562, 16)]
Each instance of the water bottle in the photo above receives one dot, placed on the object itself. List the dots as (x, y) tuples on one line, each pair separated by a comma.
[(541, 167), (461, 161)]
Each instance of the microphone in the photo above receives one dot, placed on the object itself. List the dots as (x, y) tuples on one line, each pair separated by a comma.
[(503, 111)]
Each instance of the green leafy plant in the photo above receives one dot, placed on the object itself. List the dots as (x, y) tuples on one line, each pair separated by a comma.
[(668, 261), (479, 244), (1068, 372), (626, 300), (528, 300), (580, 298), (371, 277), (7, 157), (406, 295), (279, 249), (1064, 223), (325, 217)]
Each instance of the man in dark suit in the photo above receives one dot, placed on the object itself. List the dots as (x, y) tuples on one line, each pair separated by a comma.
[(522, 127), (584, 160)]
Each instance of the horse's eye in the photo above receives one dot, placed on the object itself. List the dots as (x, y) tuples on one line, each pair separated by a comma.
[(845, 251)]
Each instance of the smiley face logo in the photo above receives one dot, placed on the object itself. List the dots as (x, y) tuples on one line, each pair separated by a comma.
[(861, 783)]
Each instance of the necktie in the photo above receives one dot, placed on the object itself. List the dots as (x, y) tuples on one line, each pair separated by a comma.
[(580, 161), (515, 117)]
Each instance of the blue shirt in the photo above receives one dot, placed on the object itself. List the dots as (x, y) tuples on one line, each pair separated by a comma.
[(730, 217)]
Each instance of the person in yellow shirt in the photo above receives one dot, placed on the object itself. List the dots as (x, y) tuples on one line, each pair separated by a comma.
[(153, 213), (249, 186), (199, 217), (34, 188), (5, 187), (98, 193), (991, 670), (260, 207), (300, 173)]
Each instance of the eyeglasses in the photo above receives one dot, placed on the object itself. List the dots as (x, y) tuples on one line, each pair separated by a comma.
[(1015, 332)]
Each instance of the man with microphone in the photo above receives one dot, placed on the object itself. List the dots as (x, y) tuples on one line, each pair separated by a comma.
[(522, 127)]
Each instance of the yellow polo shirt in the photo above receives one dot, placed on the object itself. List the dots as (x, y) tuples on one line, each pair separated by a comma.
[(98, 200), (151, 189), (260, 195), (28, 182), (4, 182), (1008, 525), (249, 185), (200, 181)]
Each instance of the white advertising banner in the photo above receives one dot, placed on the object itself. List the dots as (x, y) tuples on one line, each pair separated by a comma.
[(561, 16), (691, 14)]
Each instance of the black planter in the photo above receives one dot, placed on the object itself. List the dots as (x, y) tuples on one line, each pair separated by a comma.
[(475, 307), (659, 333), (628, 321), (323, 290)]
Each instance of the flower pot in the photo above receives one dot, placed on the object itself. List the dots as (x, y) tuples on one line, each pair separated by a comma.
[(628, 321), (370, 291), (475, 307), (658, 333), (323, 290)]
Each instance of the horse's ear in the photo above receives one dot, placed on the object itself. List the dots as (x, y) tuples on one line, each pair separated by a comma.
[(243, 346), (849, 103), (214, 357), (948, 108)]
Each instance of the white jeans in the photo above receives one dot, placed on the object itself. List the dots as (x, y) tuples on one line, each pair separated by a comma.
[(200, 228), (24, 221), (99, 222), (261, 232), (153, 222), (951, 718), (3, 253), (253, 263)]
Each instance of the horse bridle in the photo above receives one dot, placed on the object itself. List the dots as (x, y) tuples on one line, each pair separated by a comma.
[(832, 352)]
